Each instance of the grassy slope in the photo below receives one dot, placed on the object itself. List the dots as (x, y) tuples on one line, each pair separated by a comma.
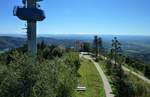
[(134, 79), (91, 79), (134, 69)]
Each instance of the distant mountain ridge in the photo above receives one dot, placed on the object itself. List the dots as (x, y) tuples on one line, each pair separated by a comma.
[(134, 46), (7, 42)]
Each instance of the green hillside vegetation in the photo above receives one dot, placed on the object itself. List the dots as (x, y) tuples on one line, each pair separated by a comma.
[(53, 73), (138, 88), (141, 88), (123, 84), (89, 77), (138, 66)]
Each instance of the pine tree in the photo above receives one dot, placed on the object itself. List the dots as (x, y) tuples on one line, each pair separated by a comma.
[(95, 42), (116, 50), (99, 44), (96, 46), (123, 88)]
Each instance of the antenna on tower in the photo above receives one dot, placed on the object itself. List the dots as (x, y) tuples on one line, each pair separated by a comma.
[(25, 27), (31, 13)]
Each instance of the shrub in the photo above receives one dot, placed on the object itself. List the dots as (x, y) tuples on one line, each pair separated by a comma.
[(20, 76), (27, 76)]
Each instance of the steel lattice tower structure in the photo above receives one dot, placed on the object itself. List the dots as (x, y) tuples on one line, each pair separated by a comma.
[(31, 13)]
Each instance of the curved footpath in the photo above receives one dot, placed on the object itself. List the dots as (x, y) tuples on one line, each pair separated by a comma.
[(136, 74), (107, 87), (132, 72)]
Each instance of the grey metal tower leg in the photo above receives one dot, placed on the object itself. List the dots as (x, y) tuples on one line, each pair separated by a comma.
[(32, 42)]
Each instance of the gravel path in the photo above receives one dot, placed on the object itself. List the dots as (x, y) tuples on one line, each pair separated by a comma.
[(107, 87)]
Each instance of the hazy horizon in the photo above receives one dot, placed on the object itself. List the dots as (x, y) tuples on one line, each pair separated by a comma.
[(24, 34)]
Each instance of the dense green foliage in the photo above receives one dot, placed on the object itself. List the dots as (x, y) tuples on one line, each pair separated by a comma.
[(53, 73)]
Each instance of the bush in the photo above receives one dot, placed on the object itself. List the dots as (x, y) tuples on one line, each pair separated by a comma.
[(139, 89), (27, 76), (49, 52), (72, 59), (56, 80), (20, 76), (108, 67)]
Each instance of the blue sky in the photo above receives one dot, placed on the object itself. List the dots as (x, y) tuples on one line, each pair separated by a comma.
[(129, 17)]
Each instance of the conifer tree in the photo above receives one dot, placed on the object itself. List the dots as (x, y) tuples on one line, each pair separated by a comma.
[(100, 44), (95, 45), (123, 88), (116, 50)]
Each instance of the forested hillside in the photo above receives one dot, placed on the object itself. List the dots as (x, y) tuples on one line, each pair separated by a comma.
[(14, 42), (10, 42)]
